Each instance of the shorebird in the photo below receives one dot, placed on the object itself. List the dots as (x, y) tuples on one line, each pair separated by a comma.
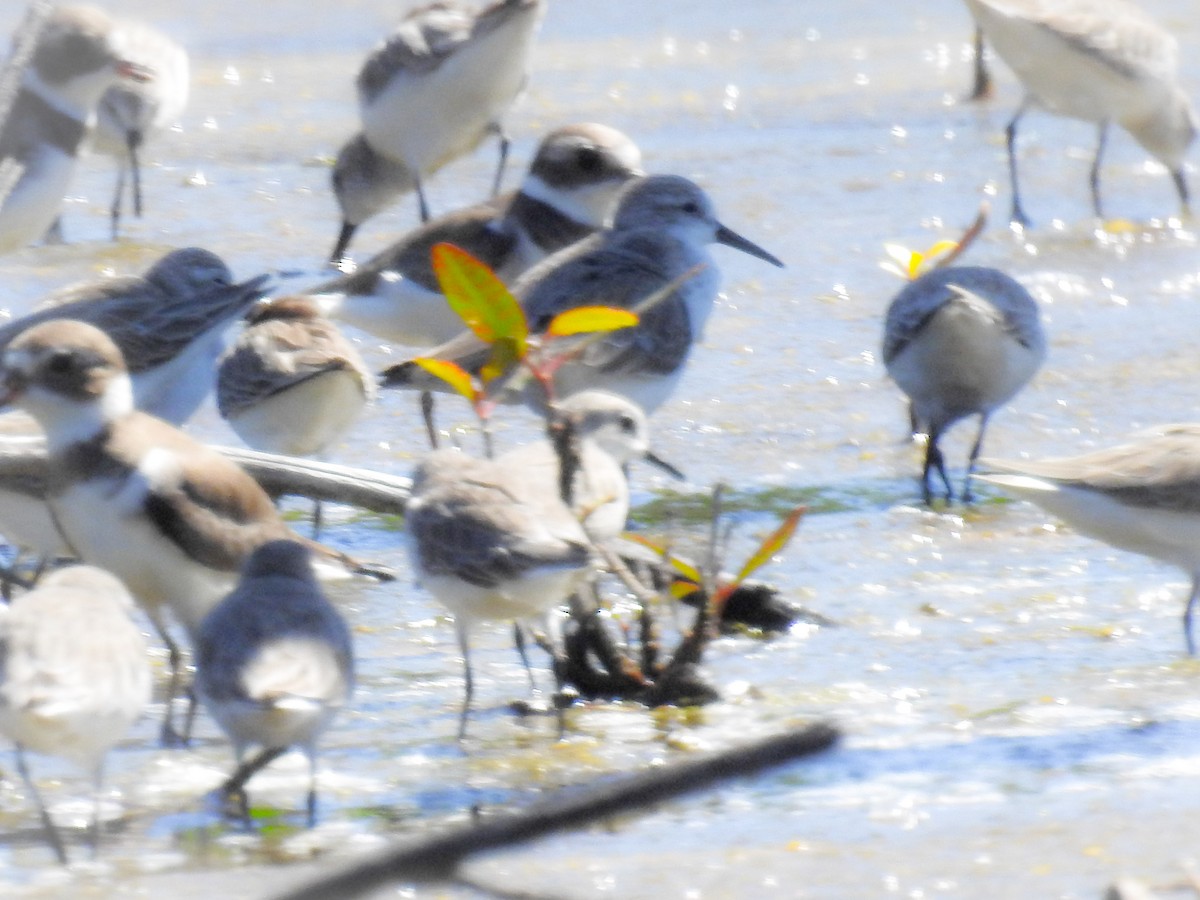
[(76, 58), (492, 540), (960, 341), (292, 383), (169, 324), (130, 113), (1100, 61), (661, 231), (443, 80), (274, 665), (569, 192), (1142, 496), (171, 517), (365, 183), (611, 432), (74, 677)]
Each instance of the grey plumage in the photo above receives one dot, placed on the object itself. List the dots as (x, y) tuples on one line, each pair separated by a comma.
[(74, 675), (960, 341), (274, 663)]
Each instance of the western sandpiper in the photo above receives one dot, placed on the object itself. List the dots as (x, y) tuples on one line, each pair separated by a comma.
[(443, 81), (169, 324), (569, 192), (74, 676), (274, 665), (1142, 496), (77, 57), (365, 183), (661, 231), (492, 540), (292, 383), (960, 341), (1097, 60)]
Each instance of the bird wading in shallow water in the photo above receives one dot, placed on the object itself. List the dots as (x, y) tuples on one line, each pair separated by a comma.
[(1101, 61), (74, 677), (960, 341), (442, 82), (274, 665)]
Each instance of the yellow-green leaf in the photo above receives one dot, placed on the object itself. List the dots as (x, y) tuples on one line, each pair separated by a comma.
[(451, 373), (680, 589), (479, 297), (772, 545), (504, 354), (585, 319), (684, 569)]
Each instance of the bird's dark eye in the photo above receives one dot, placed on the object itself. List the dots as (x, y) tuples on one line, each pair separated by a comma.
[(588, 159), (692, 208), (59, 363), (628, 424)]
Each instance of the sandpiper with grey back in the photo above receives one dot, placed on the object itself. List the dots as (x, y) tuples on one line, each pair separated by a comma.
[(365, 183), (292, 383), (1100, 61), (492, 540), (960, 341), (443, 81), (660, 233), (169, 324), (569, 192), (1142, 496), (74, 677), (274, 665), (76, 58), (170, 516), (132, 112)]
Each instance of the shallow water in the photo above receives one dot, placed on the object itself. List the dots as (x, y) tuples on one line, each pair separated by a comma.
[(1020, 720)]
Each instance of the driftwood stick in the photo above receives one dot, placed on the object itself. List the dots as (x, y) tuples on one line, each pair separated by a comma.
[(23, 460), (438, 858)]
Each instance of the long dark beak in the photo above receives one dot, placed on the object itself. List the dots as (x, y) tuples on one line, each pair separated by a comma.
[(732, 239), (655, 460), (252, 288)]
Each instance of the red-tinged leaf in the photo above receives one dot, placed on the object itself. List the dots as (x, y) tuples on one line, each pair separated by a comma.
[(772, 545), (451, 373), (479, 297), (587, 319)]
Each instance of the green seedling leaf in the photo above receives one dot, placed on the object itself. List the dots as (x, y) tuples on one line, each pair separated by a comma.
[(451, 373), (480, 298), (585, 319)]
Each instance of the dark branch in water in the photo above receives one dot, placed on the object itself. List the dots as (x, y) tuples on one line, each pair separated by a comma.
[(438, 858)]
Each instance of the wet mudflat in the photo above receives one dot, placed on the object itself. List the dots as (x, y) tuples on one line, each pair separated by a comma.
[(1020, 720)]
